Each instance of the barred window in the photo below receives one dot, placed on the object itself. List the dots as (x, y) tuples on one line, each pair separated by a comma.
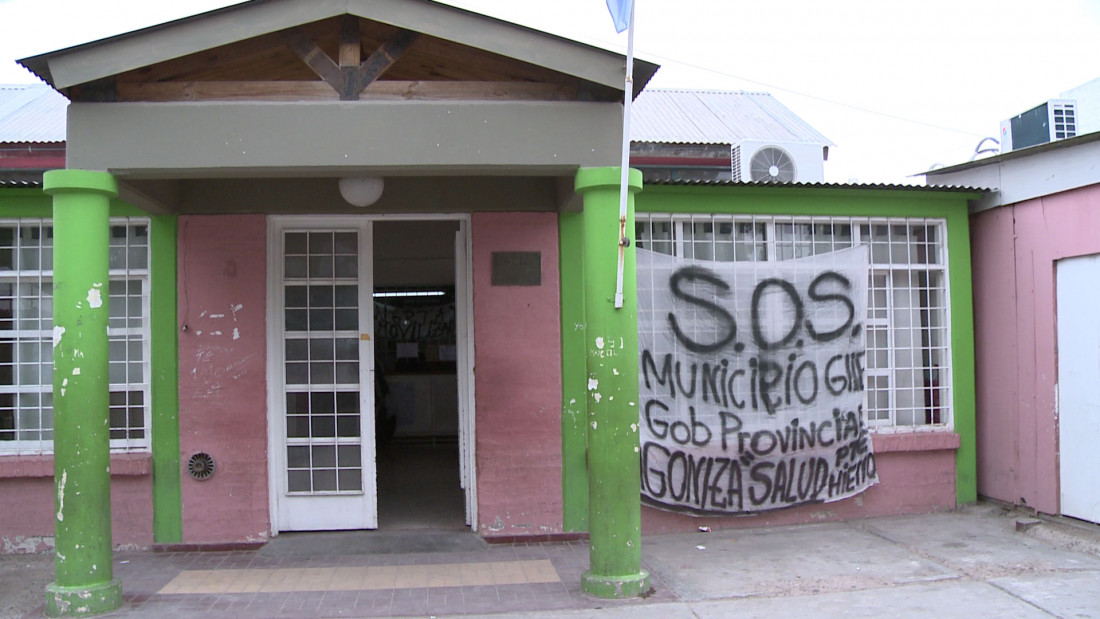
[(26, 335), (907, 329)]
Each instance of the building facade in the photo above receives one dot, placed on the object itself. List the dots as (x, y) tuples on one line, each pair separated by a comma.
[(919, 346), (1035, 253), (255, 314)]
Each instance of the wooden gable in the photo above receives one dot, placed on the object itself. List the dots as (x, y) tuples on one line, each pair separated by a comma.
[(322, 89), (343, 57)]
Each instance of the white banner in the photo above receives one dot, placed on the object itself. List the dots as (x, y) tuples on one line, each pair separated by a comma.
[(752, 382)]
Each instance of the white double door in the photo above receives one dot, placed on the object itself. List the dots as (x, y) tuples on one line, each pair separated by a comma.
[(321, 374)]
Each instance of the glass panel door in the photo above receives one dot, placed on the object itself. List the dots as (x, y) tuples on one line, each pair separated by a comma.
[(327, 476)]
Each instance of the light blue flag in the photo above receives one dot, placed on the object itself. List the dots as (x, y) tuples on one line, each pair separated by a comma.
[(620, 13)]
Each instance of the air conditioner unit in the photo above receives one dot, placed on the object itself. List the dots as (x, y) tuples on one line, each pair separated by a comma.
[(1054, 120), (777, 162)]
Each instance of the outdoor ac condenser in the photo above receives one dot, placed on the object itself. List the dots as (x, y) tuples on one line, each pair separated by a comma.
[(1054, 120), (777, 162)]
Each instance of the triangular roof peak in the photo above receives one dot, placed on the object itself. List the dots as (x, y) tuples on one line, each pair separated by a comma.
[(476, 48)]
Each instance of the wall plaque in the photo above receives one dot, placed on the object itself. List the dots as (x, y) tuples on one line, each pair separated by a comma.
[(517, 268)]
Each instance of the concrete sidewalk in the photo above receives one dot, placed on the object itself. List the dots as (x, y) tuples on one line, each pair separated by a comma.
[(967, 563)]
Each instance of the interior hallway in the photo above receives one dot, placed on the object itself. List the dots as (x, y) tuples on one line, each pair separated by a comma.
[(418, 486)]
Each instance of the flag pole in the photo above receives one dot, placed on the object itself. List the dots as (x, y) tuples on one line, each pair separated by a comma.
[(628, 95)]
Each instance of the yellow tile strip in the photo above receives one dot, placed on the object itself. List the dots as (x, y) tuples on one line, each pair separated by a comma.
[(362, 578)]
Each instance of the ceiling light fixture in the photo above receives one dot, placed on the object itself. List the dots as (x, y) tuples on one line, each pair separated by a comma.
[(361, 191)]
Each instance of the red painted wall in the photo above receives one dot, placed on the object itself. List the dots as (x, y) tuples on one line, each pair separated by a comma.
[(1015, 249), (223, 388), (517, 347)]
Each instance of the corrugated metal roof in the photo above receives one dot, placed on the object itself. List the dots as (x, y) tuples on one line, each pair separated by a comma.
[(716, 117), (31, 113), (20, 178), (1015, 154), (858, 186)]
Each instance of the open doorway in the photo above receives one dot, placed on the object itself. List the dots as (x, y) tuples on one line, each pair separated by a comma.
[(416, 380)]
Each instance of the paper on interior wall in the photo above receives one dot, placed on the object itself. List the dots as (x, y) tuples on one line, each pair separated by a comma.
[(408, 350), (448, 352), (752, 382)]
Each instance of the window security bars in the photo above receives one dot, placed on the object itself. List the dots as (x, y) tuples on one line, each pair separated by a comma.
[(907, 329), (26, 336)]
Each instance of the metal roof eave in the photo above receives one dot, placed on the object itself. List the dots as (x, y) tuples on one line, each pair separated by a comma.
[(21, 178), (1013, 154), (125, 52), (974, 191)]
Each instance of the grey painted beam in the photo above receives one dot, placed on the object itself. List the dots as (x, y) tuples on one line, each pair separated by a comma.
[(402, 195), (331, 138), (566, 194), (156, 197)]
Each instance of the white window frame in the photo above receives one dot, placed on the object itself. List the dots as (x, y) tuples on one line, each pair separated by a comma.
[(684, 243), (128, 332)]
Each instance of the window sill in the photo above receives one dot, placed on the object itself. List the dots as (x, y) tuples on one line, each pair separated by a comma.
[(122, 465), (939, 440)]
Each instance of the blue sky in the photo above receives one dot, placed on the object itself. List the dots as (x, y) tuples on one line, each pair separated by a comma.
[(897, 86)]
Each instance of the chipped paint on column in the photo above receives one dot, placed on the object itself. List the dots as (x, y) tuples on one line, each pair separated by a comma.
[(95, 296), (61, 496), (611, 349), (84, 580)]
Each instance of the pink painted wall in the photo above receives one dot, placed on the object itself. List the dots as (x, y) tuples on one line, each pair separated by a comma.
[(916, 475), (1014, 252), (996, 350), (517, 343), (27, 516), (223, 388)]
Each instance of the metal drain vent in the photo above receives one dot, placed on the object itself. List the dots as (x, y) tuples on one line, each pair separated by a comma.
[(200, 466)]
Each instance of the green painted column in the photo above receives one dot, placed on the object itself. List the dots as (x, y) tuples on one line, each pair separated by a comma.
[(164, 358), (963, 389), (574, 412), (611, 358), (84, 583)]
